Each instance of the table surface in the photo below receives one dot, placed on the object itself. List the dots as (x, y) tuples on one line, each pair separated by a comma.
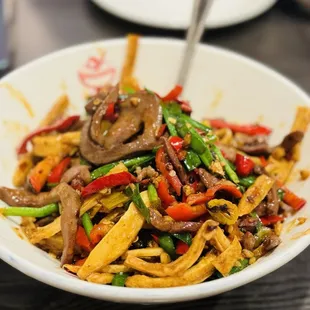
[(279, 38)]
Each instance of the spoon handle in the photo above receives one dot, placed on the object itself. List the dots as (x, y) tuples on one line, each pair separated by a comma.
[(195, 30)]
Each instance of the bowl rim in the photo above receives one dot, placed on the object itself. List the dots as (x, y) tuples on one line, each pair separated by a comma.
[(157, 295)]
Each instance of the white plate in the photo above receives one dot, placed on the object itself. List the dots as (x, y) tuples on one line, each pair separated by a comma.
[(244, 90), (175, 14)]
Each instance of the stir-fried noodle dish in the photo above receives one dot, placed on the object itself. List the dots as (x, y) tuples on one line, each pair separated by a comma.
[(137, 193)]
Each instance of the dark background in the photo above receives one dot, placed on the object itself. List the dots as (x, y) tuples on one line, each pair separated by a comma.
[(279, 38)]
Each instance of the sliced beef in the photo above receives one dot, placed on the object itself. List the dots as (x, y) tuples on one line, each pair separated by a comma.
[(229, 151), (70, 202), (248, 241), (80, 170), (252, 145), (271, 242), (96, 100), (291, 140), (273, 202), (261, 209), (133, 132), (208, 179), (172, 226), (248, 223), (174, 160)]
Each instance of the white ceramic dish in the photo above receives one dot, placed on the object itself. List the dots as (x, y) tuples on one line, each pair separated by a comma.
[(175, 14), (221, 83)]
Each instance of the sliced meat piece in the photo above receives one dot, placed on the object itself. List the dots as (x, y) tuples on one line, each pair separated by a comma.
[(174, 160), (208, 179), (252, 145), (248, 223), (271, 242), (248, 241), (273, 201), (95, 128), (229, 151), (146, 172), (20, 197), (70, 202), (81, 170), (291, 140), (261, 209), (172, 226), (148, 111), (96, 100)]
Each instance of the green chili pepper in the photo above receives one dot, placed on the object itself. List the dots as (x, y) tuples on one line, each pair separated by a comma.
[(185, 237), (171, 127), (261, 235), (138, 201), (173, 108), (232, 166), (129, 90), (166, 242), (280, 193), (138, 160), (247, 181), (33, 212), (51, 185), (87, 223), (230, 172), (99, 172), (181, 128), (194, 123), (259, 224), (192, 160), (119, 279), (197, 143), (244, 263), (154, 199), (83, 161)]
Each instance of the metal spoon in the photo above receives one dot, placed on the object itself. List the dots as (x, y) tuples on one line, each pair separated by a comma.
[(195, 30)]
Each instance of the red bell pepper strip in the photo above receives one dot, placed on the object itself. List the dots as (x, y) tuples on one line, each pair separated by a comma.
[(58, 171), (181, 247), (184, 212), (80, 262), (82, 240), (97, 233), (110, 114), (210, 193), (271, 219), (293, 200), (173, 94), (176, 142), (164, 195), (116, 179), (251, 130), (244, 165), (59, 126), (185, 106), (161, 130), (173, 179), (155, 237), (263, 161)]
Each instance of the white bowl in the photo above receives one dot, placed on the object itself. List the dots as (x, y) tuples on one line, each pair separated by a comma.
[(221, 83)]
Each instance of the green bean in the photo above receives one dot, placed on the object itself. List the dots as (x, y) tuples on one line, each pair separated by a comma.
[(87, 224), (171, 127), (192, 160), (230, 172), (99, 172), (280, 193), (32, 212), (153, 196), (119, 279), (197, 143)]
